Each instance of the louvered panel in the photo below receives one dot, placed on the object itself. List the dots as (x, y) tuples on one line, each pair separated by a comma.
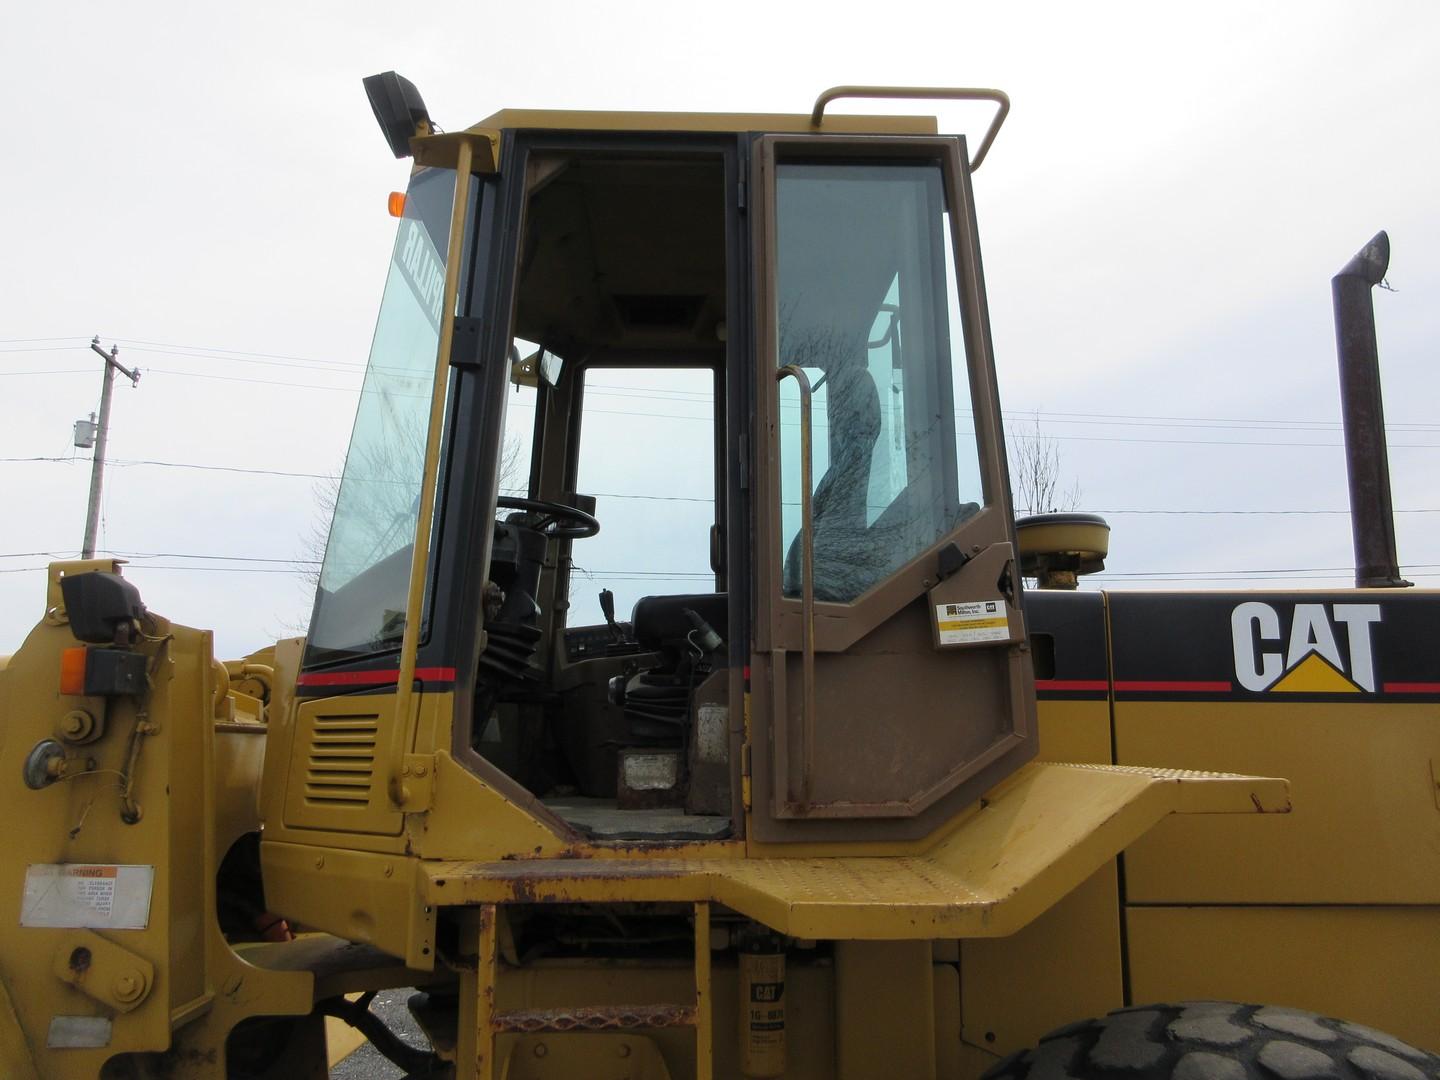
[(335, 780), (341, 766)]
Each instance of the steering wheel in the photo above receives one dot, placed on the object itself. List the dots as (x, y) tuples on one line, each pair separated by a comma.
[(558, 521)]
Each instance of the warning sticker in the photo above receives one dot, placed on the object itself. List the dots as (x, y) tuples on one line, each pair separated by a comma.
[(966, 624), (94, 896)]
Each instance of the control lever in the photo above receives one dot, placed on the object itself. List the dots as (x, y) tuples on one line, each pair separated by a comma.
[(703, 637), (607, 608)]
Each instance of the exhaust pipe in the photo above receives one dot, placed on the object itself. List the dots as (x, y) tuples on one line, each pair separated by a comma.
[(1372, 515)]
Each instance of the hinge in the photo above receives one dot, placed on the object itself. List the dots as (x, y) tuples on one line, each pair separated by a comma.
[(417, 775), (742, 451), (465, 343), (740, 195), (745, 775)]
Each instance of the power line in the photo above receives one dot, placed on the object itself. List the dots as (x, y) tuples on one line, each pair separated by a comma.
[(669, 394), (249, 470)]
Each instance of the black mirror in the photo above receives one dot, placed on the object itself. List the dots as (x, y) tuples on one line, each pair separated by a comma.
[(399, 109), (98, 604)]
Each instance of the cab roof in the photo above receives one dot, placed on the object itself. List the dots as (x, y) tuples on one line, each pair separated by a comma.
[(596, 120)]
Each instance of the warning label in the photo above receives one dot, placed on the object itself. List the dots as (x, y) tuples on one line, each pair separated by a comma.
[(94, 896), (977, 621)]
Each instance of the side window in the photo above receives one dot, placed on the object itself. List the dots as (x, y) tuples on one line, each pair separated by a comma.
[(518, 442), (867, 306), (647, 454)]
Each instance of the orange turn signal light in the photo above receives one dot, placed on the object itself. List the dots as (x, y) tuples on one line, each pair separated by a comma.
[(397, 204), (72, 670)]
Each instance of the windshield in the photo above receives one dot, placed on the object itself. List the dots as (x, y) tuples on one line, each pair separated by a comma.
[(360, 602)]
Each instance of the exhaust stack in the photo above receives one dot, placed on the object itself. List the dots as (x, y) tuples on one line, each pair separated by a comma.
[(1372, 516)]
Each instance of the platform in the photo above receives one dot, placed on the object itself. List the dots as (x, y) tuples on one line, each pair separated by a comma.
[(1027, 843)]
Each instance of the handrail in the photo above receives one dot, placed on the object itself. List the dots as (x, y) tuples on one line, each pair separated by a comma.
[(807, 579), (938, 93)]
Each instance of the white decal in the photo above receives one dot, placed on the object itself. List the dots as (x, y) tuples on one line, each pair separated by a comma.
[(94, 896), (977, 621), (1257, 631), (1251, 623)]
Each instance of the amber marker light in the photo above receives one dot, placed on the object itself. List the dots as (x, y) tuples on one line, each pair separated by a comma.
[(72, 670), (397, 204)]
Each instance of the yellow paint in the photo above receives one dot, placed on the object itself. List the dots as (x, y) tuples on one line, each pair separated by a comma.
[(1076, 731), (1314, 675), (1041, 833), (974, 624), (1064, 966), (594, 120), (1376, 966), (1364, 829)]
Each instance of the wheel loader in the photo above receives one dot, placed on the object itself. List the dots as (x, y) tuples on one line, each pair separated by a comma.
[(673, 704)]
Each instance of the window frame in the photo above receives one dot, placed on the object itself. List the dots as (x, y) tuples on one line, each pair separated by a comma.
[(778, 623)]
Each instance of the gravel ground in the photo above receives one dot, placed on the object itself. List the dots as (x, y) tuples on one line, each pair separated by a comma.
[(367, 1063)]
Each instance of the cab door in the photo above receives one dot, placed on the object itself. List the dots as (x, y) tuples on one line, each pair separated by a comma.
[(890, 679)]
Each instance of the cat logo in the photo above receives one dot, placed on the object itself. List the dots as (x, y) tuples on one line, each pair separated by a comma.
[(1304, 657)]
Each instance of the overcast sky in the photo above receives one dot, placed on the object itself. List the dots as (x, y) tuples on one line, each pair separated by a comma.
[(1160, 219)]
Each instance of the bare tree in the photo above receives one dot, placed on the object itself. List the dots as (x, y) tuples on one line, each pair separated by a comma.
[(326, 493), (1035, 472)]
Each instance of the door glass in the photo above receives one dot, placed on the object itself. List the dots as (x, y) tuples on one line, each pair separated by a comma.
[(647, 454), (867, 306)]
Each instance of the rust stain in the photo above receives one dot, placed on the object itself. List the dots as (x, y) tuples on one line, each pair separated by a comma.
[(80, 961)]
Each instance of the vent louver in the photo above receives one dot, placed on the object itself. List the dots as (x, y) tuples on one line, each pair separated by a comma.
[(341, 764)]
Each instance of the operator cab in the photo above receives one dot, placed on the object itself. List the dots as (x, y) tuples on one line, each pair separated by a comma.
[(721, 543)]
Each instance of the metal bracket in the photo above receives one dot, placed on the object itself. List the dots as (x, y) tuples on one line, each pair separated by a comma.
[(465, 344), (417, 782), (109, 973)]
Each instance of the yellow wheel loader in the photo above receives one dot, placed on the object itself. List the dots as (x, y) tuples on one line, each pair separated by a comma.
[(669, 705)]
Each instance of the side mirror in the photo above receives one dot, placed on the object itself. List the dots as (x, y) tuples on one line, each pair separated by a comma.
[(399, 110)]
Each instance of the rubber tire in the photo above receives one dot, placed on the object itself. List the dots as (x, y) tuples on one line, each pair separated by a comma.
[(1214, 1040)]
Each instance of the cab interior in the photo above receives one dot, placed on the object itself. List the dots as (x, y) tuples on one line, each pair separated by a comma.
[(604, 688)]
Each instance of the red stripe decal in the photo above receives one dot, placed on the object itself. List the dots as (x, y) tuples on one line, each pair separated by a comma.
[(1179, 687), (1412, 688), (373, 678), (1071, 684)]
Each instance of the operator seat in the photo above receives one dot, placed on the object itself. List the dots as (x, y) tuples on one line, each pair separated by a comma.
[(847, 555), (657, 699)]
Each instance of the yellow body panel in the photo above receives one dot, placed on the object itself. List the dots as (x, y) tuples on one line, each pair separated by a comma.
[(1365, 829), (1064, 966), (191, 988), (1378, 966)]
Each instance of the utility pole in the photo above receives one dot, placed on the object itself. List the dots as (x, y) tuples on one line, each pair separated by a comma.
[(97, 467)]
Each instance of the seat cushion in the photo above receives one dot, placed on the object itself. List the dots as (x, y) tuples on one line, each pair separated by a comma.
[(661, 619)]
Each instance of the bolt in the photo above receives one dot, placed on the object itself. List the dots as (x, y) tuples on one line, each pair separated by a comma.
[(232, 985), (420, 769), (127, 987), (540, 1050), (77, 724), (624, 1050), (389, 870), (320, 862), (404, 770)]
